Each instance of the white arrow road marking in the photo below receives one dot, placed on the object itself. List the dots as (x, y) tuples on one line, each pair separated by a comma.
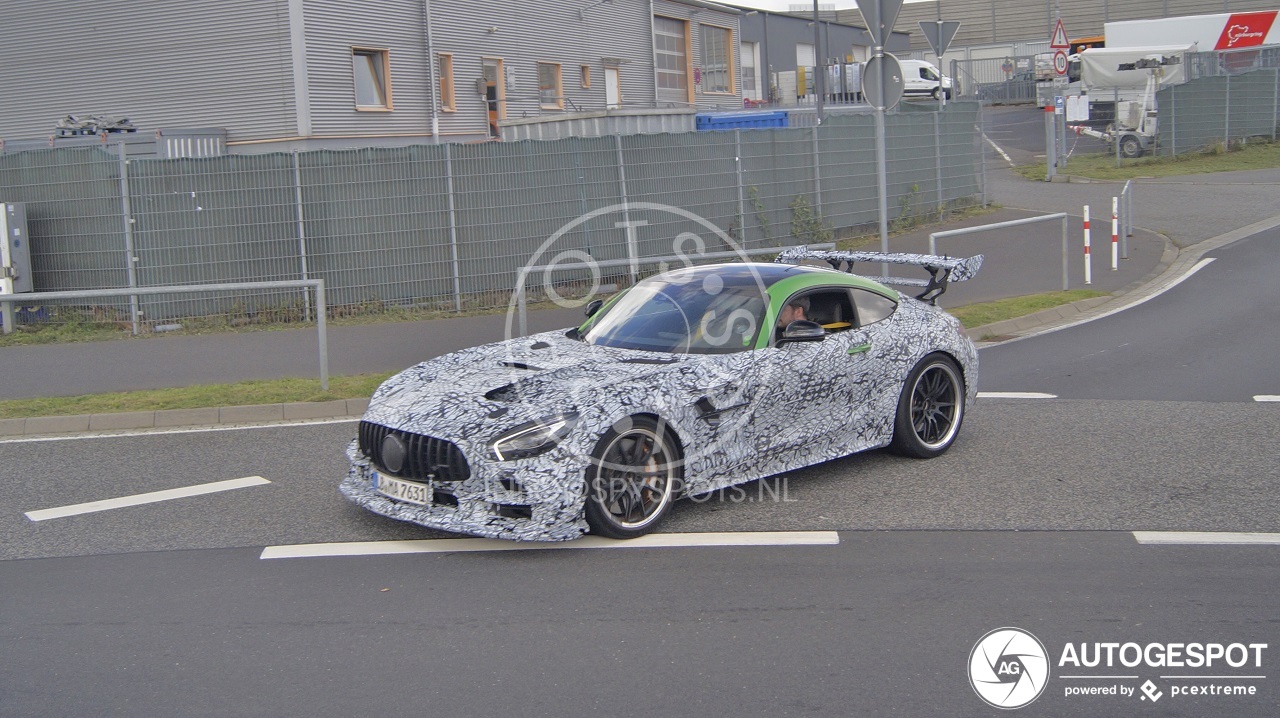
[(1206, 538), (147, 498), (677, 540), (1015, 395)]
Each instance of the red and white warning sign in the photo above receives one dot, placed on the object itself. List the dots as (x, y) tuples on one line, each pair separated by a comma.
[(1060, 41)]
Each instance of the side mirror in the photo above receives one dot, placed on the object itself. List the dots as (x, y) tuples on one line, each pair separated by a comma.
[(593, 306), (802, 330)]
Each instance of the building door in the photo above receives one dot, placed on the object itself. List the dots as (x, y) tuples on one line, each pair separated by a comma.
[(495, 94), (612, 91)]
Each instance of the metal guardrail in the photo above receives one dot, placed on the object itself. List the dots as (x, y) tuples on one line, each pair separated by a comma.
[(1061, 216), (8, 300), (632, 263)]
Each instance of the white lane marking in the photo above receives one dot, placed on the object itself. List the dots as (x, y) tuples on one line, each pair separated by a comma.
[(677, 540), (1267, 397), (1015, 395), (147, 498), (1207, 538), (179, 430), (996, 147), (1198, 266)]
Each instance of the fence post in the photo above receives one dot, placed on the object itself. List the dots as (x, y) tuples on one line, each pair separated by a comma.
[(817, 176), (453, 227), (130, 259), (1275, 103), (742, 205), (622, 179), (1226, 118), (1173, 120), (302, 232), (937, 157), (321, 311), (1050, 145)]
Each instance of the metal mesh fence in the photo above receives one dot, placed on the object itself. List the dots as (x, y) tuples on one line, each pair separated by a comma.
[(447, 227), (1218, 110)]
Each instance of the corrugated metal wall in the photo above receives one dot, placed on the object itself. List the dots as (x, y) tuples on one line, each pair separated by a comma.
[(333, 27), (163, 63), (449, 225), (472, 29)]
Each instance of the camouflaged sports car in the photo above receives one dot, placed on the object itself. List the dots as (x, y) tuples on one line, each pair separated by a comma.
[(688, 382)]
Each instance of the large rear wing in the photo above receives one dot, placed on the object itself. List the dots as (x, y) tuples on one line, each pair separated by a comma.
[(942, 270)]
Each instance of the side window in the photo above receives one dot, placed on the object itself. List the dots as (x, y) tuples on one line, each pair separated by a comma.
[(872, 306), (830, 307)]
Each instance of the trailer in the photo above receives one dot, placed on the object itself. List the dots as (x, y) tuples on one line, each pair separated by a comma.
[(1132, 76)]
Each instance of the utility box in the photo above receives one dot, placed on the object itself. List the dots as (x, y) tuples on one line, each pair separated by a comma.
[(15, 253)]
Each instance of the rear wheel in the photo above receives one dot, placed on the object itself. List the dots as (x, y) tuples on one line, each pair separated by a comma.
[(632, 479), (930, 409)]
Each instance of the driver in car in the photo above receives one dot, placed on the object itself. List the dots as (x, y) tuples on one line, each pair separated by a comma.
[(794, 310)]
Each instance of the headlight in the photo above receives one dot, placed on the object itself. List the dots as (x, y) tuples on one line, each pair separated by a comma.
[(533, 438)]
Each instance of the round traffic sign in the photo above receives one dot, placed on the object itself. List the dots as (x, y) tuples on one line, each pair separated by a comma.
[(883, 84), (1060, 62)]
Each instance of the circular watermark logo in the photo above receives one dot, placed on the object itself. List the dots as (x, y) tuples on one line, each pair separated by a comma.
[(630, 242), (1008, 668)]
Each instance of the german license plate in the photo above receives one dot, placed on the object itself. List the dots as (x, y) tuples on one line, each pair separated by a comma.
[(406, 491)]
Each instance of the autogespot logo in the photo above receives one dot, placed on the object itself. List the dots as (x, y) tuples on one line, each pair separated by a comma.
[(1008, 668)]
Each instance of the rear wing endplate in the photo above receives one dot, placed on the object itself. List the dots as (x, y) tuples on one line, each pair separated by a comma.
[(942, 270)]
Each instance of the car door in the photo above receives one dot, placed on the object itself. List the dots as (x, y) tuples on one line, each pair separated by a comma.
[(802, 389)]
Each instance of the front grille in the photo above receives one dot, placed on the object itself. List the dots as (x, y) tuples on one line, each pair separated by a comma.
[(428, 459)]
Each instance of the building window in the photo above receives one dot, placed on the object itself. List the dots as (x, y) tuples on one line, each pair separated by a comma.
[(669, 48), (372, 72), (550, 91), (717, 55), (448, 99), (586, 77), (750, 83)]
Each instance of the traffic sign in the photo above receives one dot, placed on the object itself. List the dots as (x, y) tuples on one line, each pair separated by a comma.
[(882, 82), (1060, 62), (939, 34), (1060, 41), (880, 15)]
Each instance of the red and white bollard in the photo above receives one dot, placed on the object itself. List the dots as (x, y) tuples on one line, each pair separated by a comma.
[(1115, 233), (1088, 259)]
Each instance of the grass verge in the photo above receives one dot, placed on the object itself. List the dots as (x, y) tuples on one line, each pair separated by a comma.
[(354, 387), (983, 313), (1253, 156)]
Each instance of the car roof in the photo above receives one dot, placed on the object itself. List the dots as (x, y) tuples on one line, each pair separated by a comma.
[(769, 274)]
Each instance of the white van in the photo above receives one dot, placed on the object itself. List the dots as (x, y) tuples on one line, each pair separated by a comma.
[(922, 78)]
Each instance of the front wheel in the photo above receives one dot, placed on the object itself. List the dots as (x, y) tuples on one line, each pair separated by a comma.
[(937, 93), (930, 409), (632, 479)]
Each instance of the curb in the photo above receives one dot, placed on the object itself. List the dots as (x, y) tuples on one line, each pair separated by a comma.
[(256, 414)]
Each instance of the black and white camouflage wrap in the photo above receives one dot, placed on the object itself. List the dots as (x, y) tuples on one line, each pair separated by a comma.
[(781, 408)]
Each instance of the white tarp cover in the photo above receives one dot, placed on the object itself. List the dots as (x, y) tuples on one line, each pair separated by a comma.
[(1098, 66)]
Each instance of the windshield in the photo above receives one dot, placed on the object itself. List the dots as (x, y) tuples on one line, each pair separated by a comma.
[(702, 315)]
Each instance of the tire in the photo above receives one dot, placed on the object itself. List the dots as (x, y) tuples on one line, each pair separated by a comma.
[(1130, 147), (937, 93), (930, 409), (633, 478)]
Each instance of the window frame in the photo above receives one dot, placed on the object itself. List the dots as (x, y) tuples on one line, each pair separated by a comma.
[(584, 76), (558, 102), (448, 89), (727, 69), (379, 62)]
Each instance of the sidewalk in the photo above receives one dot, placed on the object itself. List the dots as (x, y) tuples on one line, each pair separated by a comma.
[(1019, 261)]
